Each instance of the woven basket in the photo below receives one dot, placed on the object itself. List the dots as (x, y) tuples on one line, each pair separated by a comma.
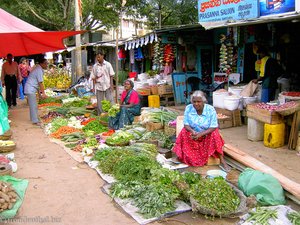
[(242, 208), (289, 111), (7, 148), (5, 169), (6, 136)]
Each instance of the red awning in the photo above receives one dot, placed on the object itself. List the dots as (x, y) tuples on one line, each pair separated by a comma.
[(21, 38)]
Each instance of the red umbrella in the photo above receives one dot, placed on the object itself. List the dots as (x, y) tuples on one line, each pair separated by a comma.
[(21, 38)]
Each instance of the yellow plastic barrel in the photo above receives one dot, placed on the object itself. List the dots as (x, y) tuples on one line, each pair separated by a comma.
[(153, 101), (274, 135)]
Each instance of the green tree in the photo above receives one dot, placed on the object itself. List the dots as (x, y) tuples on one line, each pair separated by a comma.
[(164, 13), (59, 14)]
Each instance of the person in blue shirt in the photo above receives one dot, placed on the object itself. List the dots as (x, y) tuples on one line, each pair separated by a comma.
[(34, 84), (200, 138)]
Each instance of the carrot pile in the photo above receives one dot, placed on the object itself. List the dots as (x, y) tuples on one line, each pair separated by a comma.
[(77, 148), (85, 122), (63, 130), (50, 104), (108, 133)]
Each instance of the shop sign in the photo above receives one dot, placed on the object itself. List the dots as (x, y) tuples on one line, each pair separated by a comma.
[(169, 39), (220, 10), (271, 7)]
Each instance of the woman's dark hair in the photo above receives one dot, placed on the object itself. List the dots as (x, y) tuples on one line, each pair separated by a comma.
[(100, 52), (129, 81), (40, 61)]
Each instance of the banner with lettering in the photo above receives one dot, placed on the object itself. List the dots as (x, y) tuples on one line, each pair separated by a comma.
[(221, 10), (271, 7)]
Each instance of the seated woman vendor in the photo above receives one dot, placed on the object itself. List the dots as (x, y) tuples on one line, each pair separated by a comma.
[(200, 138), (129, 108)]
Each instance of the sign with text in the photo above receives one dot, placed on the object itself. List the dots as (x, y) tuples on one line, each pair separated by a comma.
[(220, 10), (271, 7)]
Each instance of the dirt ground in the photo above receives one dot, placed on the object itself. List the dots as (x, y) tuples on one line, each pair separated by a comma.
[(63, 191)]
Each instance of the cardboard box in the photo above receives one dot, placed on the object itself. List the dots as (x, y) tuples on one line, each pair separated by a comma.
[(234, 118), (225, 123), (212, 161)]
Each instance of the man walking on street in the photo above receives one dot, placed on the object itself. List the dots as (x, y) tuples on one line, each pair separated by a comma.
[(10, 76), (102, 76)]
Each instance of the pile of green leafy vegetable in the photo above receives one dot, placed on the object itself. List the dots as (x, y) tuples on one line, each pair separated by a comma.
[(144, 148), (50, 100), (112, 112), (136, 167), (105, 105), (215, 195), (95, 126), (158, 136), (109, 157), (154, 196), (119, 138), (77, 103)]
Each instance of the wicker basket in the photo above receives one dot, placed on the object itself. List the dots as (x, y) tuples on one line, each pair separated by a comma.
[(6, 136), (5, 169), (289, 111), (7, 148)]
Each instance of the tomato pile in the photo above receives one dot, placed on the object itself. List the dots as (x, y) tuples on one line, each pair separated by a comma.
[(292, 94)]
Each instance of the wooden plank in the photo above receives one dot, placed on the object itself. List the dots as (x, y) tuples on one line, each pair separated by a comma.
[(275, 119), (263, 115), (247, 160)]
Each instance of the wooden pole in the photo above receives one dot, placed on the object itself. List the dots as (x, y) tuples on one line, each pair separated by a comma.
[(117, 65), (78, 67)]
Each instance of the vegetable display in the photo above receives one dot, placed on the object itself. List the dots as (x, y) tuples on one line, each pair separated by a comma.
[(294, 217), (119, 138), (109, 158), (215, 195), (112, 112), (105, 105), (95, 126), (8, 196), (137, 167), (158, 116), (63, 130), (262, 216), (57, 123)]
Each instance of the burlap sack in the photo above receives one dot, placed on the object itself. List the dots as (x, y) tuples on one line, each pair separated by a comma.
[(249, 90)]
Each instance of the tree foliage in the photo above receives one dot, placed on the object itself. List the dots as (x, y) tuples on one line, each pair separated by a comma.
[(59, 14)]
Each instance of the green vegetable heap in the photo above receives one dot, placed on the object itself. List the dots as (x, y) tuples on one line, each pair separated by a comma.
[(95, 126), (112, 112), (262, 216), (105, 105), (215, 195)]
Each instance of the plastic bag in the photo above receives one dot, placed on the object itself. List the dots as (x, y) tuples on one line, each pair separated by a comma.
[(264, 187), (20, 187), (4, 123)]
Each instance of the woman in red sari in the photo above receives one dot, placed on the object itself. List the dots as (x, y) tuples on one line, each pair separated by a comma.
[(200, 137)]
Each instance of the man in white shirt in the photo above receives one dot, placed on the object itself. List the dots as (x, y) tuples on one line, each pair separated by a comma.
[(10, 76), (102, 76)]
